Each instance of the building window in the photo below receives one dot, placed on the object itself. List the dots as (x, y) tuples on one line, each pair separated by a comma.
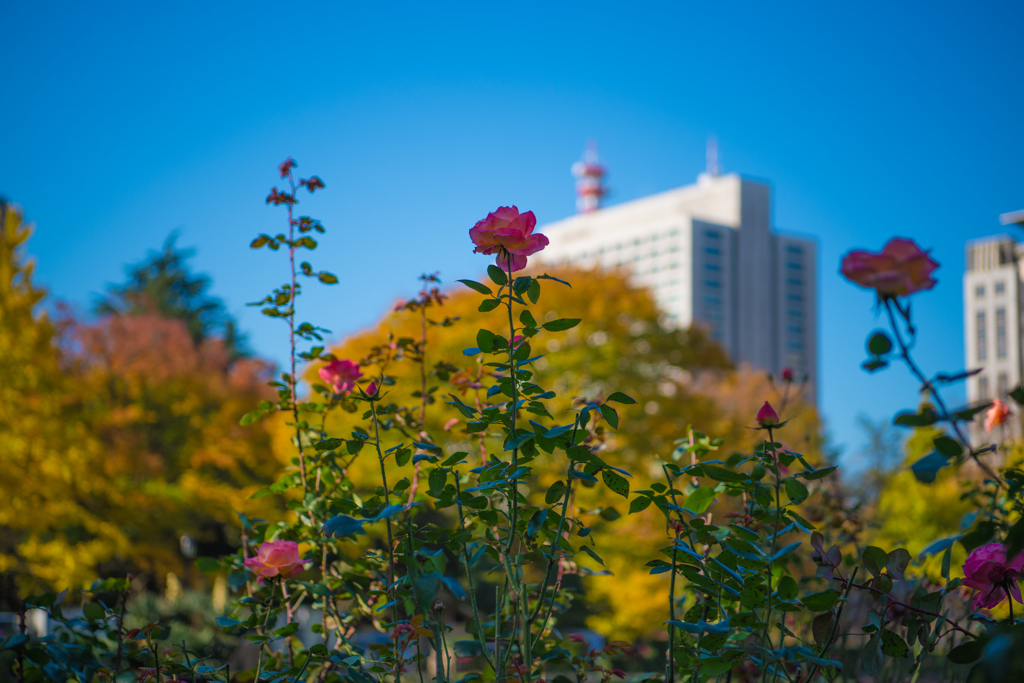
[(793, 329), (794, 313), (983, 388), (712, 250), (712, 234), (1000, 333), (1000, 287), (713, 284), (712, 266), (794, 297), (981, 336), (970, 258), (1003, 384), (795, 281), (712, 301), (793, 265), (979, 291), (794, 250)]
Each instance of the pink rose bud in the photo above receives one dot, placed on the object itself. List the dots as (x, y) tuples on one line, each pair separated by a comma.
[(900, 269), (996, 415), (987, 571), (787, 374), (510, 235), (276, 558), (341, 375), (371, 389), (767, 415)]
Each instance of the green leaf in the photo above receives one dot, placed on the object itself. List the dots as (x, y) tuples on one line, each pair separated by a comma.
[(639, 504), (950, 448), (893, 644), (467, 648), (328, 445), (787, 588), (981, 534), (1018, 395), (965, 653), (620, 397), (93, 611), (609, 514), (561, 325), (476, 286), (819, 602), (436, 481), (588, 551), (536, 522), (795, 490), (249, 418), (527, 319), (485, 340), (610, 415), (786, 551), (699, 500), (208, 565), (874, 559), (879, 344), (925, 418), (226, 622), (1015, 538), (615, 482), (896, 563), (722, 474), (497, 275), (534, 291), (288, 630), (927, 468), (554, 493), (488, 305), (327, 278)]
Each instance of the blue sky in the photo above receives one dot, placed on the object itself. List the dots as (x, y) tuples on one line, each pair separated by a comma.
[(123, 122)]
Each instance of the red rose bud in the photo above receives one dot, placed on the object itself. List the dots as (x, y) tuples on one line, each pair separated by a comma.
[(767, 416), (787, 374)]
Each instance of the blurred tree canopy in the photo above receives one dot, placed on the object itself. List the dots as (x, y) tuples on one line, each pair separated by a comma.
[(120, 436), (163, 285), (679, 377)]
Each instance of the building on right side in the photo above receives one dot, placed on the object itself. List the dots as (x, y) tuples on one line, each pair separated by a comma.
[(993, 284)]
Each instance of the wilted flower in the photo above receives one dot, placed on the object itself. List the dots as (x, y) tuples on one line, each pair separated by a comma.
[(341, 375), (987, 571), (996, 415), (276, 558), (767, 416), (900, 269), (509, 234)]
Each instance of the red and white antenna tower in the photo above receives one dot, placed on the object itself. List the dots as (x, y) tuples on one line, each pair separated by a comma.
[(589, 188)]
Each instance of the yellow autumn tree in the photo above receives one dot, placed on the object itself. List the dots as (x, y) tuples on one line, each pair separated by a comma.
[(117, 439), (679, 378)]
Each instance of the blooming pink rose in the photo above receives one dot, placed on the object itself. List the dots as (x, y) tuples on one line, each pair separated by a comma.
[(341, 375), (996, 415), (509, 234), (900, 269), (987, 571), (276, 558), (767, 415)]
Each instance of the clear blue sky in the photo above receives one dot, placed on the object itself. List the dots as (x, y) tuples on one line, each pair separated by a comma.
[(121, 122)]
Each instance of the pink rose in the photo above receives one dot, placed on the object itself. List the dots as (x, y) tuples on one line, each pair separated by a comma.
[(767, 415), (509, 234), (901, 268), (986, 570), (996, 415), (341, 375), (276, 558)]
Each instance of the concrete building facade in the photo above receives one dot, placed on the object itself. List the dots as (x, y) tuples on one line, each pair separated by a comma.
[(993, 332), (709, 254)]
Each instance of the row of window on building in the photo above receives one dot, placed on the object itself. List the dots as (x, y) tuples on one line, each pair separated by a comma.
[(1002, 386), (981, 334)]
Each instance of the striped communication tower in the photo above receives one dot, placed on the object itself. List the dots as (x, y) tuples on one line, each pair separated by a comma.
[(589, 186)]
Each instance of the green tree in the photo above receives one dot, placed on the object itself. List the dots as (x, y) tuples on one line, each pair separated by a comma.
[(163, 284)]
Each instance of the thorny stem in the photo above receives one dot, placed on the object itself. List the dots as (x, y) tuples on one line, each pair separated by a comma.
[(263, 632), (927, 386), (469, 578), (291, 337), (767, 635), (512, 409), (387, 502), (835, 622), (894, 601)]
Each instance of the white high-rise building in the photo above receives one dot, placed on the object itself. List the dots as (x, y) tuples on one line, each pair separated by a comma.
[(709, 254), (992, 313)]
